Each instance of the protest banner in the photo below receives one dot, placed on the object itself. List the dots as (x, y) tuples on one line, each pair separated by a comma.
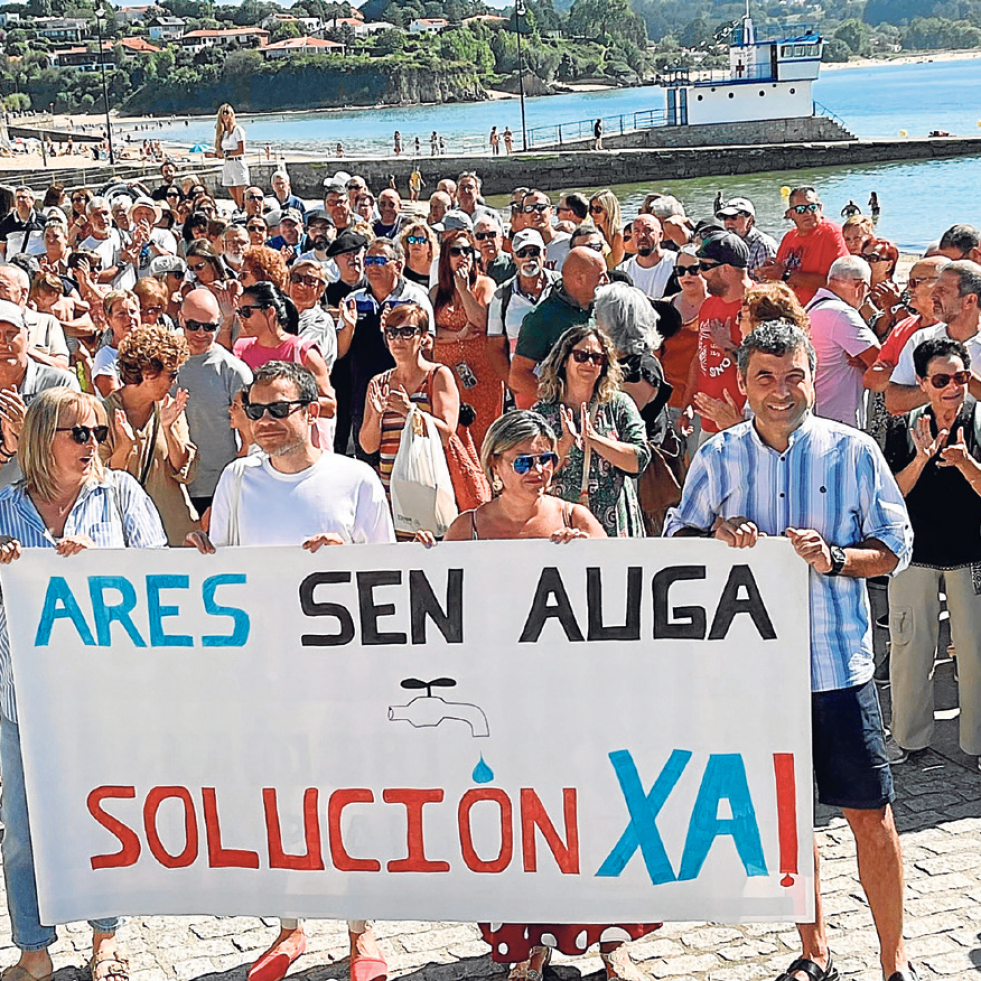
[(600, 732)]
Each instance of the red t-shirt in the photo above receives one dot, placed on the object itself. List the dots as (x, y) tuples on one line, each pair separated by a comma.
[(896, 341), (812, 253), (717, 372)]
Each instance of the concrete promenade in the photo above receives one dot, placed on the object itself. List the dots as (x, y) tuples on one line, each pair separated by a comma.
[(938, 811)]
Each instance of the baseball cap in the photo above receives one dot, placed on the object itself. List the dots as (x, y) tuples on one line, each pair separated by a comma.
[(293, 215), (272, 218), (12, 314), (456, 220), (347, 241), (167, 264), (736, 206), (726, 248), (527, 236), (333, 186), (319, 214), (53, 215)]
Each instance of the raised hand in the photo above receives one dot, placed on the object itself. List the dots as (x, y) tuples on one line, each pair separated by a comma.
[(955, 453), (124, 431), (172, 407), (378, 395), (12, 411), (569, 436), (927, 445)]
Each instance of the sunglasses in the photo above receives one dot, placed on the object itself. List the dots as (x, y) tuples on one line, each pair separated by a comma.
[(278, 410), (195, 325), (709, 266), (912, 283), (691, 270), (595, 246), (355, 187), (392, 332), (483, 236), (197, 268), (596, 209), (254, 197), (458, 250), (246, 312), (524, 463), (256, 228), (528, 252), (300, 280), (416, 239), (173, 194), (540, 208), (596, 357), (152, 310), (803, 209), (82, 434), (376, 260), (875, 258), (943, 380)]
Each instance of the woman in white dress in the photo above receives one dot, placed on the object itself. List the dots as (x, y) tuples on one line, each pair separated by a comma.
[(230, 147)]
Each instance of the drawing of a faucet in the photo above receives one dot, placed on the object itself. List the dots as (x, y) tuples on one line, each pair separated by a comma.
[(430, 710)]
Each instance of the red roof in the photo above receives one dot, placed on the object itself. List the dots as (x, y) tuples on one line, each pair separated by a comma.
[(139, 45), (229, 32), (297, 43)]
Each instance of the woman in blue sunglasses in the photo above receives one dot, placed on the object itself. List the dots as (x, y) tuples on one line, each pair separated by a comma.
[(519, 456)]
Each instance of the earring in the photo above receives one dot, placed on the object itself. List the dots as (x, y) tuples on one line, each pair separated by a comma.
[(497, 485)]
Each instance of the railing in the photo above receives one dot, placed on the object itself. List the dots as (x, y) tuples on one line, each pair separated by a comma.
[(582, 129), (820, 110)]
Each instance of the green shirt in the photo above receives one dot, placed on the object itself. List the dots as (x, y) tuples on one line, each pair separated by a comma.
[(544, 325), (501, 269)]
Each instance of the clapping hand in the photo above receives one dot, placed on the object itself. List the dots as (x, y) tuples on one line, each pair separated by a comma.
[(927, 445), (12, 411), (570, 434), (172, 407), (955, 453), (725, 414)]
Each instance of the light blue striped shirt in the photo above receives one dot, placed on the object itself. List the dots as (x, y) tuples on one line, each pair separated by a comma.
[(100, 513), (831, 478)]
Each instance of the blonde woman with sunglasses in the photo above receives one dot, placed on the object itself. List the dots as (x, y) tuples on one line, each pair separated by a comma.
[(230, 147), (604, 210)]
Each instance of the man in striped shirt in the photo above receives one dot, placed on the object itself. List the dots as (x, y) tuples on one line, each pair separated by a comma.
[(825, 487)]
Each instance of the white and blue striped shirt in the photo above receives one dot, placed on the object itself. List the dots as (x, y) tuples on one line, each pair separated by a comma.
[(831, 478), (123, 517)]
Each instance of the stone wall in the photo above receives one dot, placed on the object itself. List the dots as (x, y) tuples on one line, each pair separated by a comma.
[(804, 129), (571, 169)]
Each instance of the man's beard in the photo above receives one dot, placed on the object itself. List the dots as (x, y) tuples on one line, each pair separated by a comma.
[(531, 270), (645, 250), (320, 243)]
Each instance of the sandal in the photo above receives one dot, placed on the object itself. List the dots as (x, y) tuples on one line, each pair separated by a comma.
[(367, 961), (523, 971), (815, 972), (624, 969), (109, 966)]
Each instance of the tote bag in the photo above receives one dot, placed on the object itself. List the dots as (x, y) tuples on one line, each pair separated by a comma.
[(421, 486)]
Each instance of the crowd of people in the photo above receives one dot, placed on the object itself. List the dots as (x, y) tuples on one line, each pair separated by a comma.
[(175, 372)]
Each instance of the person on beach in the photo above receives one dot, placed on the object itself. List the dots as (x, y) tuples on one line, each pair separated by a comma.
[(508, 140), (230, 147)]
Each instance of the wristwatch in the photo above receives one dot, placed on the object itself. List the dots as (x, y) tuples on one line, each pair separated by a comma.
[(837, 560)]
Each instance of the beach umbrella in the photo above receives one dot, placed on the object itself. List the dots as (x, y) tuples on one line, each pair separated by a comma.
[(199, 148)]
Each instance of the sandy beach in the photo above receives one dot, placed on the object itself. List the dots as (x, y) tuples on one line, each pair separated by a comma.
[(922, 58)]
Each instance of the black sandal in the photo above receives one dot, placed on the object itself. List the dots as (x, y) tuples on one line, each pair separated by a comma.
[(814, 971)]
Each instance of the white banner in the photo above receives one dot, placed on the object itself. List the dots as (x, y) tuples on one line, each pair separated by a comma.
[(600, 732)]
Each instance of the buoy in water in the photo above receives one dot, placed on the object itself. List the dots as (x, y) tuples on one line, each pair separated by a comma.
[(902, 132), (785, 191)]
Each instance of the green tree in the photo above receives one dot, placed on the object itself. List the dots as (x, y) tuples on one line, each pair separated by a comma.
[(856, 35), (18, 102), (835, 50), (284, 30)]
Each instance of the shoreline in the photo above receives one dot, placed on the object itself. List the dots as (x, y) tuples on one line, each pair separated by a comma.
[(922, 58)]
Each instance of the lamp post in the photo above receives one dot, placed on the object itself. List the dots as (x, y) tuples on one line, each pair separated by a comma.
[(105, 87), (519, 10)]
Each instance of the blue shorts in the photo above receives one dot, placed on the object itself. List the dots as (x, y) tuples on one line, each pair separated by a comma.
[(849, 748)]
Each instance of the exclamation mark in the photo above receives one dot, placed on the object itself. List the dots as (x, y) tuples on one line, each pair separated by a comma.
[(783, 771)]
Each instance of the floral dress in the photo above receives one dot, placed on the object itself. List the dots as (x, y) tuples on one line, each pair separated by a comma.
[(612, 491), (476, 379)]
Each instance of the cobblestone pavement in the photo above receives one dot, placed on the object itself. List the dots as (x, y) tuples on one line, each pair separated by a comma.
[(938, 811)]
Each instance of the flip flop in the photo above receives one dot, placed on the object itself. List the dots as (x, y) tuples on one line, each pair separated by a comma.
[(275, 964)]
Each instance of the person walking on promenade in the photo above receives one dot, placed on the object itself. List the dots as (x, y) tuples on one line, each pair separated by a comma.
[(598, 134), (508, 140), (750, 481)]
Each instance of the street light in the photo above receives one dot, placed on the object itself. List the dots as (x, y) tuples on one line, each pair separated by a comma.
[(105, 88), (519, 10)]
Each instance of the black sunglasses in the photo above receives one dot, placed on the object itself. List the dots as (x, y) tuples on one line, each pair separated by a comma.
[(943, 380), (691, 270), (531, 208), (597, 357), (195, 325), (483, 236), (458, 250), (528, 252), (392, 332), (278, 410), (82, 434)]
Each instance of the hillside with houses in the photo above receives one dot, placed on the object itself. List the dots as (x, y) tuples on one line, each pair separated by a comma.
[(186, 56)]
